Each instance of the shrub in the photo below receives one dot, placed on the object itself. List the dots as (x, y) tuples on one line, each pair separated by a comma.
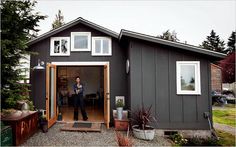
[(123, 140), (119, 103), (178, 139), (142, 117)]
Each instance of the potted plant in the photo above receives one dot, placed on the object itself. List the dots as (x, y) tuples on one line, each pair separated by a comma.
[(43, 124), (119, 108), (141, 119)]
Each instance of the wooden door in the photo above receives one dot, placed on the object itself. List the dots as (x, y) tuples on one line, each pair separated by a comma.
[(51, 94), (106, 95)]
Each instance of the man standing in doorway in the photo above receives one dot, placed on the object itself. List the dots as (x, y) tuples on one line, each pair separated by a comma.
[(78, 100)]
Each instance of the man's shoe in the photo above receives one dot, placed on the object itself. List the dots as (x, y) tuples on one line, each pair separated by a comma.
[(85, 119)]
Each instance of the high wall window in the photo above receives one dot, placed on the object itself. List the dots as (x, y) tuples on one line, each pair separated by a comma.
[(188, 77), (80, 41), (60, 46), (101, 46)]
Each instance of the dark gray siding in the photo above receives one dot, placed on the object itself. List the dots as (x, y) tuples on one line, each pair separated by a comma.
[(118, 77), (153, 82)]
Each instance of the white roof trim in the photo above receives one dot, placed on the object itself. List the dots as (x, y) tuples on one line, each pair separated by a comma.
[(70, 24)]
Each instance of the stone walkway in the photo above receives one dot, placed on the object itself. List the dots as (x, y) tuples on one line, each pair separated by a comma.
[(225, 128), (55, 137)]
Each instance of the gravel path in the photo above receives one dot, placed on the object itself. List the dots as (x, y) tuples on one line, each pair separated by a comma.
[(226, 128), (55, 137)]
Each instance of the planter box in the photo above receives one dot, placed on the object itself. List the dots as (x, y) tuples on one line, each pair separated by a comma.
[(23, 126), (121, 125)]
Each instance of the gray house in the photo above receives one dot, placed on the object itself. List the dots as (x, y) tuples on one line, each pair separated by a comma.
[(172, 77)]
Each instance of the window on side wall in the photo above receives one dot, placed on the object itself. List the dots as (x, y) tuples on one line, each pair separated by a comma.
[(60, 46), (188, 77), (101, 46), (80, 41)]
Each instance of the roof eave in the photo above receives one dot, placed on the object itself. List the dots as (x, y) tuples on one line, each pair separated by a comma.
[(170, 43)]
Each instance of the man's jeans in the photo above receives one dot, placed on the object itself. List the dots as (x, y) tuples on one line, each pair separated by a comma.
[(79, 102)]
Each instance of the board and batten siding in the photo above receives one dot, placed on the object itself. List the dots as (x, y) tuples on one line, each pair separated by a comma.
[(118, 76), (153, 82)]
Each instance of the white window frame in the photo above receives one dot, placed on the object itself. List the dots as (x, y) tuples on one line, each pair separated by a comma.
[(109, 45), (73, 34), (196, 65), (52, 39)]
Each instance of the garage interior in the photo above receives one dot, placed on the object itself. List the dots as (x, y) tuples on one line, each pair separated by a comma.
[(92, 78)]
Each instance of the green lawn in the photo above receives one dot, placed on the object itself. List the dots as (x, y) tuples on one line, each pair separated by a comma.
[(225, 139), (225, 116)]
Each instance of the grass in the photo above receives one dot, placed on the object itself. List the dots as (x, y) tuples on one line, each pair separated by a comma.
[(225, 116), (225, 139)]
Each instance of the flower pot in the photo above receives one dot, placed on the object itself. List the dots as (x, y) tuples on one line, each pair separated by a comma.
[(147, 134), (119, 113), (44, 126)]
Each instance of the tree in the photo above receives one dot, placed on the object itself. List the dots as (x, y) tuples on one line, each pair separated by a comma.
[(213, 42), (167, 35), (18, 20), (59, 20), (231, 43), (228, 68)]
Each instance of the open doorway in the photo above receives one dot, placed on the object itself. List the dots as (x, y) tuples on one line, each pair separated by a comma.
[(92, 78)]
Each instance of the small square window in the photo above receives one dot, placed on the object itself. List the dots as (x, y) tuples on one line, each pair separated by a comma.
[(80, 41), (188, 77), (101, 46), (60, 46)]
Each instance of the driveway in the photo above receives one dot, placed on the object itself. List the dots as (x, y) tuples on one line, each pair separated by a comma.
[(55, 137)]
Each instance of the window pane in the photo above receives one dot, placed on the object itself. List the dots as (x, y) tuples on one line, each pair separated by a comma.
[(81, 42), (105, 46), (187, 77), (56, 46), (64, 46), (97, 46)]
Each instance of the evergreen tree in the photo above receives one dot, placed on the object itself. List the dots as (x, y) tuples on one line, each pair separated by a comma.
[(231, 43), (18, 20), (213, 42), (59, 20), (171, 36)]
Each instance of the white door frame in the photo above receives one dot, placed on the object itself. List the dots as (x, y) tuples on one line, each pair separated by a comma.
[(82, 63)]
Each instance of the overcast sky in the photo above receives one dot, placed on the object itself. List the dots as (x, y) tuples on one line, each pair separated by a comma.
[(192, 20)]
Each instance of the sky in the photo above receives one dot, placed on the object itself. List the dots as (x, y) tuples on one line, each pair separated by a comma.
[(191, 20)]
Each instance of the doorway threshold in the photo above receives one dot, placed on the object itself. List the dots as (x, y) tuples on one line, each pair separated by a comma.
[(62, 121)]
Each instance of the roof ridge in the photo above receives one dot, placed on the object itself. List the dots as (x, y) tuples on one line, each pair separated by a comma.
[(70, 24)]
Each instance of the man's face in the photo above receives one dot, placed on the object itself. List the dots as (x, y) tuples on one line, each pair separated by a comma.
[(77, 80)]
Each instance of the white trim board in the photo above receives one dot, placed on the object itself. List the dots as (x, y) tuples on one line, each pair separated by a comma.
[(82, 63)]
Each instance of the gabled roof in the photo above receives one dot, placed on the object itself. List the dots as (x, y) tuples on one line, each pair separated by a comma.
[(127, 33), (170, 43), (73, 23)]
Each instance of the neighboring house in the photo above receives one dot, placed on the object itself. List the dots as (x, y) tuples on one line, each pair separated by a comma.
[(172, 77), (216, 78), (24, 66)]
